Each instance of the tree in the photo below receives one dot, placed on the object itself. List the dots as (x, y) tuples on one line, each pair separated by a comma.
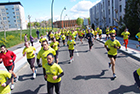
[(36, 24), (131, 17), (79, 21), (28, 25), (89, 20)]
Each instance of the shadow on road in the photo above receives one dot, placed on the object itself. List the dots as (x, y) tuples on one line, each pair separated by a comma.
[(99, 47), (28, 77), (87, 77), (125, 89), (81, 51), (64, 62), (31, 92)]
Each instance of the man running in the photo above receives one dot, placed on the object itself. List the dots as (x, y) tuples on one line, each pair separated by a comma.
[(71, 43), (55, 45), (138, 37), (5, 79), (30, 52), (125, 35), (53, 73), (8, 58), (136, 75), (111, 46), (43, 53), (89, 36)]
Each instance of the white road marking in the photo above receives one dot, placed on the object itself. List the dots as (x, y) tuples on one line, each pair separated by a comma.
[(77, 52)]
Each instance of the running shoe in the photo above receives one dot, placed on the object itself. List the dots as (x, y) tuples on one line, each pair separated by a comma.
[(34, 74), (16, 79), (12, 86), (72, 59), (114, 75), (109, 65)]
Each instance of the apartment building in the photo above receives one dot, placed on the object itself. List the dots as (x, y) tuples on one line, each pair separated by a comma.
[(107, 12), (12, 16)]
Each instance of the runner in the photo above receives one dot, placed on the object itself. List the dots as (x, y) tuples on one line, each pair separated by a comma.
[(55, 45), (63, 39), (53, 77), (5, 79), (125, 35), (89, 36), (46, 49), (138, 37), (111, 46), (41, 39), (80, 34), (136, 75), (95, 34), (112, 31), (8, 58), (29, 51), (71, 43), (107, 33), (100, 33)]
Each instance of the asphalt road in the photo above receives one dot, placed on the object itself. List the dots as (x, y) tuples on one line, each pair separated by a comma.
[(88, 74)]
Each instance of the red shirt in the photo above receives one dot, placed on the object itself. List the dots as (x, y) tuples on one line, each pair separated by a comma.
[(6, 57)]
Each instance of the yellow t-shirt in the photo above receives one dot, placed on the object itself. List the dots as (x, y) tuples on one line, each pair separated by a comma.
[(63, 37), (70, 44), (138, 34), (57, 36), (29, 52), (112, 32), (107, 31), (3, 78), (125, 34), (100, 31), (41, 39), (53, 70), (95, 32), (80, 33), (138, 71), (43, 55), (55, 45), (110, 44), (51, 35)]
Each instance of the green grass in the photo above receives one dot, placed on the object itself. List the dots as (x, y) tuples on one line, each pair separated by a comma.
[(13, 37)]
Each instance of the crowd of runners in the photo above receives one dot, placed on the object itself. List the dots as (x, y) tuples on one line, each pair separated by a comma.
[(49, 55)]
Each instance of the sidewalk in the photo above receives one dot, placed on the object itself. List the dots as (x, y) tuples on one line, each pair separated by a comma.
[(132, 50)]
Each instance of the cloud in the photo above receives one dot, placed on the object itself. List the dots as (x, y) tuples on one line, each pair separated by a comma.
[(72, 0), (82, 8)]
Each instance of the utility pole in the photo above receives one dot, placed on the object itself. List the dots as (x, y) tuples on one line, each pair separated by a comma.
[(20, 29), (29, 17)]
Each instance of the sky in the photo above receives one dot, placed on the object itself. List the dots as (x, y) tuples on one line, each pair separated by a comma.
[(40, 10)]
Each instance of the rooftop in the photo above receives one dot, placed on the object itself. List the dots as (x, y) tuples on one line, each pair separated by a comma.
[(10, 3)]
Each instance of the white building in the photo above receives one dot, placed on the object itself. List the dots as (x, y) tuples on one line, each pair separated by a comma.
[(103, 14), (12, 16)]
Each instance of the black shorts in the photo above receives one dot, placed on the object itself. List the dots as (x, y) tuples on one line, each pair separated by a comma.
[(100, 34), (63, 41), (80, 37), (31, 62), (112, 56), (71, 52), (10, 67)]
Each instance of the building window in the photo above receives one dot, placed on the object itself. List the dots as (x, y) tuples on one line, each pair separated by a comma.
[(14, 17), (4, 18), (3, 14), (12, 8), (7, 13), (13, 12), (17, 13), (17, 9), (109, 20), (108, 2), (18, 17), (120, 8), (8, 21), (3, 10), (120, 17), (109, 11), (14, 20)]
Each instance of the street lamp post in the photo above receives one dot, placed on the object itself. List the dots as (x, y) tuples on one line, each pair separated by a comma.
[(52, 13), (61, 16)]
